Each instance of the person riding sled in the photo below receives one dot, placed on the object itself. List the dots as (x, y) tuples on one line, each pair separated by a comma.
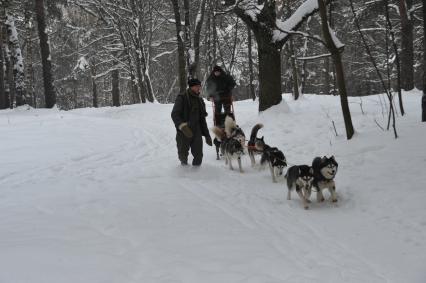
[(189, 116), (219, 89)]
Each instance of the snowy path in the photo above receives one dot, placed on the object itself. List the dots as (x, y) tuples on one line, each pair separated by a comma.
[(96, 195)]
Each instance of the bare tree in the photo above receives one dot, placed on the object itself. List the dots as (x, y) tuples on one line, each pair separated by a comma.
[(271, 34), (181, 47), (115, 74), (49, 91), (16, 61), (407, 49), (335, 54)]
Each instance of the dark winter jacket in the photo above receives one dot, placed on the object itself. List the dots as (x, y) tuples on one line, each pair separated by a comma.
[(190, 108), (220, 86)]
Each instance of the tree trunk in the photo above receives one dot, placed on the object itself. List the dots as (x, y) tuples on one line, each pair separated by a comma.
[(181, 47), (2, 77), (397, 60), (49, 90), (424, 49), (197, 36), (407, 48), (32, 101), (327, 76), (9, 88), (140, 78), (187, 40), (335, 52), (269, 73), (250, 61), (17, 62), (115, 74), (294, 71), (94, 86)]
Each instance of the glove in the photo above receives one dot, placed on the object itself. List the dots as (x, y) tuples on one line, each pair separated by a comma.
[(186, 130), (209, 141)]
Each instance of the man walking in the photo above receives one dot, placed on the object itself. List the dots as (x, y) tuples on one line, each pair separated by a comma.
[(219, 89), (189, 116)]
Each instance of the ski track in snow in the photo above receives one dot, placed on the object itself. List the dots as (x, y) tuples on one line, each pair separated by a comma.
[(109, 203)]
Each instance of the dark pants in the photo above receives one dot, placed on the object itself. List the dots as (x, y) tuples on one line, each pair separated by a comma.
[(195, 144), (224, 102), (424, 108)]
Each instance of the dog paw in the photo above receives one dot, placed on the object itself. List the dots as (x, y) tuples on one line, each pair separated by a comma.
[(334, 200), (308, 201), (306, 207), (321, 200)]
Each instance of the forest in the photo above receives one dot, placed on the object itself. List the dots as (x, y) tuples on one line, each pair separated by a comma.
[(94, 53)]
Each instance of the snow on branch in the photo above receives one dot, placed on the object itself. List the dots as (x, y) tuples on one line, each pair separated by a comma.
[(304, 11)]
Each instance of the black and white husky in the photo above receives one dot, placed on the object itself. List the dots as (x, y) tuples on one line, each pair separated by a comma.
[(324, 171), (231, 142), (255, 144), (300, 177), (275, 159)]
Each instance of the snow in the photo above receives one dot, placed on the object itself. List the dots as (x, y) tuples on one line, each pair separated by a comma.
[(97, 195), (16, 53), (251, 8), (306, 8), (82, 64)]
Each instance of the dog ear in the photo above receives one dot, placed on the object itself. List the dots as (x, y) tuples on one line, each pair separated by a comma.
[(300, 171), (311, 171)]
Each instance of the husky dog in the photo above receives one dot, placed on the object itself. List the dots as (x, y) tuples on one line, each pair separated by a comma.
[(275, 159), (231, 141), (232, 130), (324, 169), (231, 148), (255, 144), (300, 177)]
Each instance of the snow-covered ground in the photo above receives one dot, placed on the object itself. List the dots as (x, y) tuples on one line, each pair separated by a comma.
[(98, 195)]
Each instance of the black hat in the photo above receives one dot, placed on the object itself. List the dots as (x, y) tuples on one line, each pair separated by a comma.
[(193, 82), (217, 69)]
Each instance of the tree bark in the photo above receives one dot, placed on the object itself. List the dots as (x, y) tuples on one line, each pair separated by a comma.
[(115, 75), (197, 36), (17, 62), (2, 63), (335, 53), (49, 90), (424, 49), (407, 46), (250, 62), (181, 47), (397, 60), (269, 73), (94, 86), (32, 101), (294, 71)]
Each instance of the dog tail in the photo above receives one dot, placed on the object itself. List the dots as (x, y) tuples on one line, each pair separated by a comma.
[(264, 158), (254, 131), (219, 133), (290, 176), (230, 124)]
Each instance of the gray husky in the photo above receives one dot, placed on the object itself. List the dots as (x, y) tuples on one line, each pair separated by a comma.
[(325, 169), (275, 159), (300, 178), (231, 142), (255, 144)]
